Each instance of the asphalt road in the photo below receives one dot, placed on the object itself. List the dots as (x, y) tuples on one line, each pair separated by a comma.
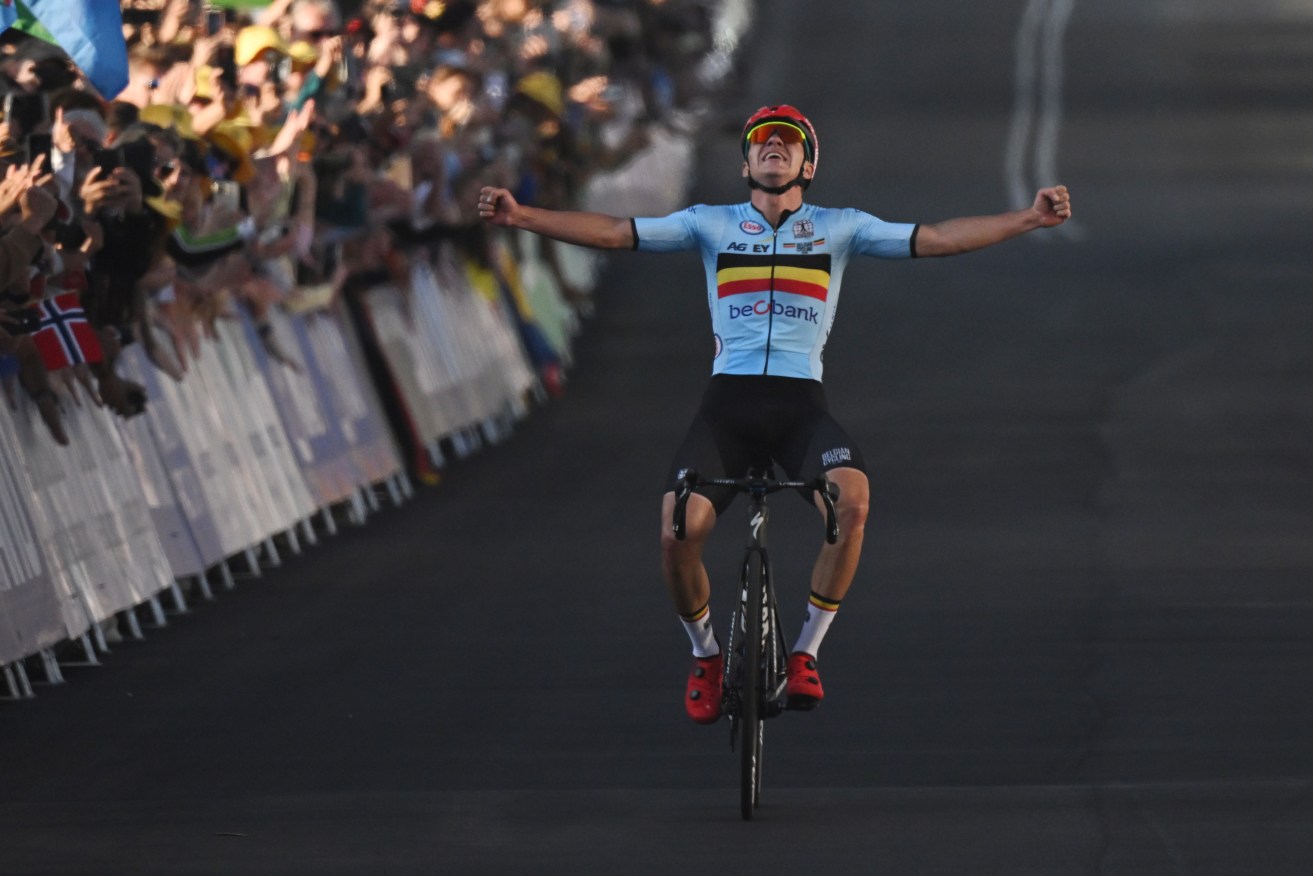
[(1082, 632)]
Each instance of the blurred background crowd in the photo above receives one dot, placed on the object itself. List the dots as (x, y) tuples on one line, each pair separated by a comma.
[(285, 155)]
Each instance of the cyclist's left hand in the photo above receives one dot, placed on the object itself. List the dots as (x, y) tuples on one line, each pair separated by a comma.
[(1053, 206)]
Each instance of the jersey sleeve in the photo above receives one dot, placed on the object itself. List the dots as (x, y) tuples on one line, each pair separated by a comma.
[(673, 233), (875, 237)]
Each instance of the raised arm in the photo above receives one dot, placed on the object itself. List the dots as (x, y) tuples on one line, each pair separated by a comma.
[(597, 230), (1052, 207)]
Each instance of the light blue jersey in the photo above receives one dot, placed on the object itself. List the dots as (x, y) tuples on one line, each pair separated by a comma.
[(773, 294)]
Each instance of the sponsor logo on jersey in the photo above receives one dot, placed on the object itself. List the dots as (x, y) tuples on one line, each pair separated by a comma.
[(805, 246), (803, 228), (807, 275), (764, 307), (750, 227), (836, 456)]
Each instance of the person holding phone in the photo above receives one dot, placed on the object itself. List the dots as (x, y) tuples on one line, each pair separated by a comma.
[(26, 208)]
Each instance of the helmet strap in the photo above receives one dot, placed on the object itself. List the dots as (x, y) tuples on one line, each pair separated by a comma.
[(778, 190)]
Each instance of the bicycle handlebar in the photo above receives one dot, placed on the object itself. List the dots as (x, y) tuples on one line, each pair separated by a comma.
[(760, 487)]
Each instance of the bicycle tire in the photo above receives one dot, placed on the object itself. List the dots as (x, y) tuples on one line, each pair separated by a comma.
[(751, 723)]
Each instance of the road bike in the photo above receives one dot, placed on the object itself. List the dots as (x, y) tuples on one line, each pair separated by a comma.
[(755, 661)]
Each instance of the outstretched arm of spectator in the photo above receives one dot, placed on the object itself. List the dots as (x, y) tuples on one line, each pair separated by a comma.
[(1052, 207), (598, 230), (171, 20), (273, 13)]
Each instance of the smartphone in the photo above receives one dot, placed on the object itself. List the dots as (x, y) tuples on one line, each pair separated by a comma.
[(24, 112), (495, 89), (25, 321), (139, 157), (227, 195), (70, 235), (38, 145), (107, 160), (214, 21)]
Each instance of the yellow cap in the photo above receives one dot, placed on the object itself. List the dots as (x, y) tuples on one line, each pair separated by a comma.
[(169, 115), (253, 40), (234, 140), (544, 88), (302, 52)]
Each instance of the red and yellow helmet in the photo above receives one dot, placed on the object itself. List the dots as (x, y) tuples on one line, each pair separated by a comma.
[(789, 123)]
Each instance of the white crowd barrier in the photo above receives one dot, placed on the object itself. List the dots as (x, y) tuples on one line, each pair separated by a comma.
[(246, 452)]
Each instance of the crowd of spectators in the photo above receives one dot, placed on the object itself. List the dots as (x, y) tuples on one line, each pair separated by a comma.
[(279, 156)]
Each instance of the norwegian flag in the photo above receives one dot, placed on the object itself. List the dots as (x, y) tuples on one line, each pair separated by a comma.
[(64, 337)]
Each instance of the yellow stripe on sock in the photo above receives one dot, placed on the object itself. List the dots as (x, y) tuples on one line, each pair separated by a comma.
[(824, 604), (699, 614)]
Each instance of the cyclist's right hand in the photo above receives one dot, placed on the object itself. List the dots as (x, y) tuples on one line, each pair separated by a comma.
[(496, 205)]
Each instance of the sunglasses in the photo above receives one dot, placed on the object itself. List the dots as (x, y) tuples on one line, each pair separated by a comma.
[(314, 36), (788, 133)]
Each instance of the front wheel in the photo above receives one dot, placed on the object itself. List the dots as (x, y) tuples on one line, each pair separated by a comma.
[(751, 726)]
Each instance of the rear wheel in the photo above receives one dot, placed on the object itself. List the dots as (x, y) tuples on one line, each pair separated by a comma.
[(751, 728)]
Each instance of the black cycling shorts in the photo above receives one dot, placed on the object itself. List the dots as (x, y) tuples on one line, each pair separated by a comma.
[(750, 423)]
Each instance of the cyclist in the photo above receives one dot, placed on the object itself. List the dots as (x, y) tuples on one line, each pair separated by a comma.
[(774, 266)]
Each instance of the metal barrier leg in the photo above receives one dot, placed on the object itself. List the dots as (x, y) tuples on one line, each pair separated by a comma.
[(459, 445), (407, 488), (435, 454), (371, 498), (179, 601), (330, 525), (11, 682), (271, 553), (89, 657), (24, 684), (98, 637), (203, 584), (51, 667), (252, 563), (293, 543), (475, 438), (394, 491), (157, 617), (308, 532), (491, 431), (356, 509), (129, 618), (226, 575)]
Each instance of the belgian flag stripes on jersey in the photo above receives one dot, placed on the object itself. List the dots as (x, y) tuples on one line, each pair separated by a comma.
[(740, 273)]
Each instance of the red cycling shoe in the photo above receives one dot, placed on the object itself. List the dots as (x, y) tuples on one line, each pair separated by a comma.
[(804, 688), (703, 695)]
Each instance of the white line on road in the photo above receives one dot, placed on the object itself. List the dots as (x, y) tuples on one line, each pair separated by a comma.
[(1032, 154)]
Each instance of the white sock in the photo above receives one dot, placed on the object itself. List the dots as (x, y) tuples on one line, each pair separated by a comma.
[(820, 614), (700, 633)]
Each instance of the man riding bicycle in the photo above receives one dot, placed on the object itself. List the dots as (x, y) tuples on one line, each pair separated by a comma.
[(774, 266)]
